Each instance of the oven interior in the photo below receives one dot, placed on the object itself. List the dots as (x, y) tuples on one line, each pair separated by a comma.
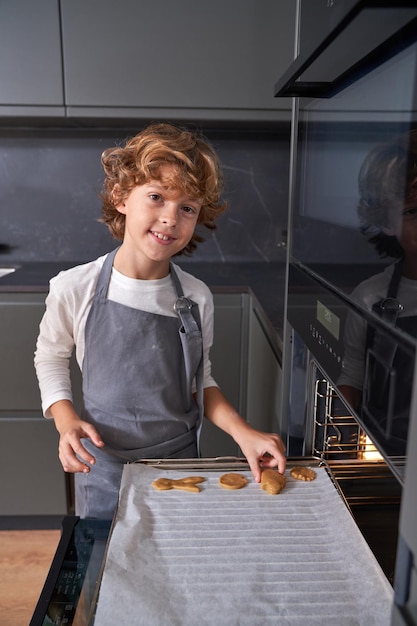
[(369, 487)]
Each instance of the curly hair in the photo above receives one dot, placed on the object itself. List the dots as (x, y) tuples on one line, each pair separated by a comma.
[(196, 166), (387, 178)]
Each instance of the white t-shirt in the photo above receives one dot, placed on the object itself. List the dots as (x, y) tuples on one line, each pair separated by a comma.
[(367, 294), (67, 306)]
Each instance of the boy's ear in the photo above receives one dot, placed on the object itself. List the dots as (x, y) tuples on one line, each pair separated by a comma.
[(117, 198)]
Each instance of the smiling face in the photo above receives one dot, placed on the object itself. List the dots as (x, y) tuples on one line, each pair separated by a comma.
[(195, 166), (160, 222)]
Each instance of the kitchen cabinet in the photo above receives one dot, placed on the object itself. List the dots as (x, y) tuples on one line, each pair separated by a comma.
[(228, 360), (160, 60), (264, 372), (36, 483), (33, 480), (30, 59), (185, 59), (246, 364)]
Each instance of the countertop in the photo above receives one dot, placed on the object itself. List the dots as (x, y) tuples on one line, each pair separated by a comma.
[(265, 280)]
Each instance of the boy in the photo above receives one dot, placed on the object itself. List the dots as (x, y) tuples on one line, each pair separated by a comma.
[(142, 327)]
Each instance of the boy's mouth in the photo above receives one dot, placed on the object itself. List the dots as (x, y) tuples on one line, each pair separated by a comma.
[(161, 236)]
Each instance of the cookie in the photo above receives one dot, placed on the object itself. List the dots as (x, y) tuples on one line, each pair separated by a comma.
[(272, 482), (232, 481), (162, 484), (302, 473), (189, 483), (191, 480)]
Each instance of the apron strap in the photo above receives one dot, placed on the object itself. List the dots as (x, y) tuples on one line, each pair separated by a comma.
[(380, 349), (191, 344), (389, 308), (395, 279), (103, 280)]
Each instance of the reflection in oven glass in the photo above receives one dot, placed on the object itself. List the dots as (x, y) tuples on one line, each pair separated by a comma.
[(378, 373)]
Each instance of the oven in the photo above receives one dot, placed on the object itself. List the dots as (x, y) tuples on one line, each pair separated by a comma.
[(349, 385)]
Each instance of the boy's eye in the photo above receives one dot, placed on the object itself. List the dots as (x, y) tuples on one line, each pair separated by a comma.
[(188, 209), (155, 196), (411, 212)]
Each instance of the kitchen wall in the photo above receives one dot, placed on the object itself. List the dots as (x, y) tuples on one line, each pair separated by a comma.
[(50, 178)]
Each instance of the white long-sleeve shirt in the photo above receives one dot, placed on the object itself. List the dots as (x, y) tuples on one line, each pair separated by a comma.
[(67, 306), (367, 294)]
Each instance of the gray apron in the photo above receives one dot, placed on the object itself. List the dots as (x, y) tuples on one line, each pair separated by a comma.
[(138, 371)]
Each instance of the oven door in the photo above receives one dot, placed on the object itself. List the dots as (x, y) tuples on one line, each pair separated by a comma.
[(322, 320), (352, 236)]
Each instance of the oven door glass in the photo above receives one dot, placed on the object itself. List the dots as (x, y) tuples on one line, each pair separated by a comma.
[(354, 234), (368, 360), (354, 209)]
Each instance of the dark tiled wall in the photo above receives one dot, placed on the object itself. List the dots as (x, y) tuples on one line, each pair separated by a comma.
[(49, 208)]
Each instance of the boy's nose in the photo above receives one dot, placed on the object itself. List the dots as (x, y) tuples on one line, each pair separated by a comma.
[(169, 215)]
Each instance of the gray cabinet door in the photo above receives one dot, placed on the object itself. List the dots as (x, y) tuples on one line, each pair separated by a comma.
[(30, 58), (217, 59), (264, 374), (246, 364), (33, 481), (227, 360), (20, 315), (36, 483)]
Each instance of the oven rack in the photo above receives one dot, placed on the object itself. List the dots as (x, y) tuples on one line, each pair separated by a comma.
[(340, 440), (336, 433)]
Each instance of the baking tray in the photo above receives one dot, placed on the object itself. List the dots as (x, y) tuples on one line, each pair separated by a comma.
[(240, 557)]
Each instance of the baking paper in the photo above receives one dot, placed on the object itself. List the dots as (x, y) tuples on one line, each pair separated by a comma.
[(238, 557)]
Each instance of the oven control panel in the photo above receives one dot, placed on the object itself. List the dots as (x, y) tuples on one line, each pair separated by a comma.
[(318, 316)]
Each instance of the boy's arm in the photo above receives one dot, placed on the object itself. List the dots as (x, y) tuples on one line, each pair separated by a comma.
[(258, 447), (71, 430)]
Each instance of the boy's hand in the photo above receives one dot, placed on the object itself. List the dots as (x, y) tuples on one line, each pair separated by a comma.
[(263, 450), (71, 431), (70, 447), (260, 449)]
